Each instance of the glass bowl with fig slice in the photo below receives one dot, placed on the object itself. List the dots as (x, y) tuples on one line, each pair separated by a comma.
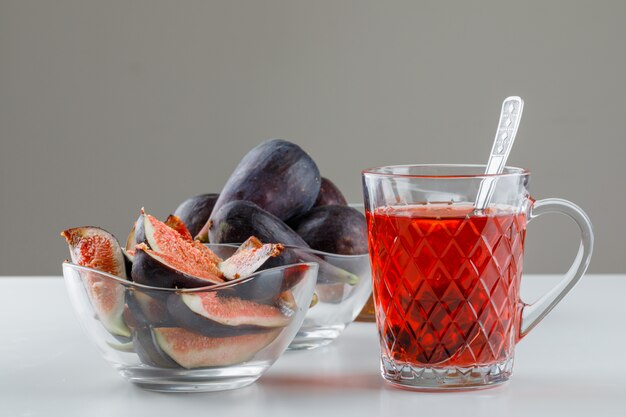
[(333, 236), (278, 194), (172, 315)]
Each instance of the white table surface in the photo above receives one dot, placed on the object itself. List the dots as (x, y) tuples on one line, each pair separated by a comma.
[(572, 364)]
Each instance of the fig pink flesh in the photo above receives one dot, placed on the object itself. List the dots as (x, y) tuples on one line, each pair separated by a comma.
[(248, 258), (192, 350), (168, 242), (177, 224), (233, 311), (182, 266), (95, 248)]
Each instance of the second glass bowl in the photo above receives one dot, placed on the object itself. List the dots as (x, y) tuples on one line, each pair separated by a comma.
[(344, 284)]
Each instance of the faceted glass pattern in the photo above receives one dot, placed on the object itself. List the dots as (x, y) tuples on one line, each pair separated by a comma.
[(446, 285)]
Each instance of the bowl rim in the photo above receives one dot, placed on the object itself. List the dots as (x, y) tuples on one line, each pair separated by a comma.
[(379, 171), (213, 287)]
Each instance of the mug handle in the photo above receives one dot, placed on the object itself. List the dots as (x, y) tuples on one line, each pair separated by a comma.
[(533, 313)]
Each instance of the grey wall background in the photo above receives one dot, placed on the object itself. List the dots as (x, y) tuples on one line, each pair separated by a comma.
[(107, 106)]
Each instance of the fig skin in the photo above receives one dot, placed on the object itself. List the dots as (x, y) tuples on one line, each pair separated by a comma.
[(335, 229), (236, 221), (266, 289), (128, 262), (329, 195), (276, 175), (196, 210)]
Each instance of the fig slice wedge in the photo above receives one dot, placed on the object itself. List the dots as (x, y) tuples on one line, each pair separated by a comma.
[(192, 350), (163, 239), (233, 311), (96, 248), (249, 257), (162, 270)]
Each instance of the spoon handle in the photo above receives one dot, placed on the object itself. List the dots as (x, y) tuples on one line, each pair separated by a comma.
[(510, 116)]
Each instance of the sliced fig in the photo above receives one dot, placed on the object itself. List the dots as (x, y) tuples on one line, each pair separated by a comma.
[(206, 252), (96, 248), (130, 317), (165, 240), (177, 224), (129, 257), (146, 308), (162, 270), (149, 351), (266, 288), (195, 211), (287, 300), (233, 311), (182, 316), (192, 350), (251, 243), (248, 258), (131, 240)]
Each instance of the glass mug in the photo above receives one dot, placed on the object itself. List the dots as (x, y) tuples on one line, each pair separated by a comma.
[(447, 275)]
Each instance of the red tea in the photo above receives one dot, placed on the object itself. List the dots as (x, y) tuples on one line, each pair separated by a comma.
[(446, 282)]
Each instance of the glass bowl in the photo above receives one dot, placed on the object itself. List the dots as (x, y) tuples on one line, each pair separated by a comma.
[(343, 286), (156, 338)]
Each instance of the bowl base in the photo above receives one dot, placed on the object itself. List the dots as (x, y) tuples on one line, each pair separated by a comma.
[(192, 380), (313, 338)]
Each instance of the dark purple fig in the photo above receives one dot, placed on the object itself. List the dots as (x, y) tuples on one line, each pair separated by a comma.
[(129, 257), (276, 175), (329, 195), (195, 211), (334, 229), (161, 270), (236, 221), (192, 350), (217, 316)]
